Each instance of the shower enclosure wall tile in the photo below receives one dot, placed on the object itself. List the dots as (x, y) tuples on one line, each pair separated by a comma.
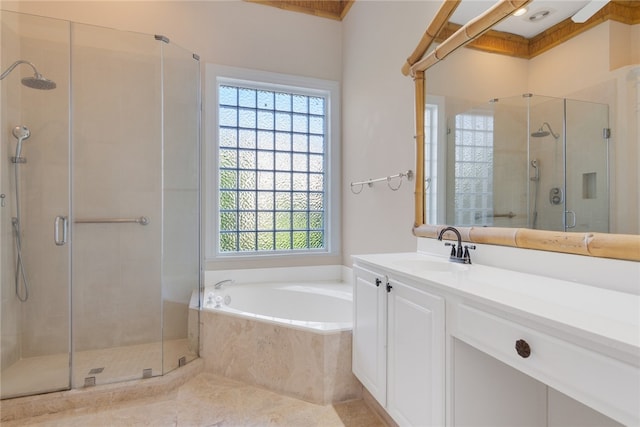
[(45, 322), (119, 173), (10, 325)]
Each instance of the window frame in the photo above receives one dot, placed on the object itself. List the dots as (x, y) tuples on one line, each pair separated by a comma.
[(217, 75)]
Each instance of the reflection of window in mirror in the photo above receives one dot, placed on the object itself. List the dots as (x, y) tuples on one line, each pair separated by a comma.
[(435, 159), (431, 162), (473, 172)]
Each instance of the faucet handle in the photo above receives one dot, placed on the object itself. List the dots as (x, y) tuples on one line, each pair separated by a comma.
[(453, 248), (466, 256)]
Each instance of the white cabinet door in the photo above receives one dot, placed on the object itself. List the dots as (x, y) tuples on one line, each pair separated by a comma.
[(369, 332), (416, 352)]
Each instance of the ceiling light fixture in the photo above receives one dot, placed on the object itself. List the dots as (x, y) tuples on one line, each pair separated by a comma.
[(538, 16), (588, 11), (520, 11)]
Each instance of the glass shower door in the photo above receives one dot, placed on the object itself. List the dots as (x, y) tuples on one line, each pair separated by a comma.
[(34, 163), (587, 174), (117, 190), (181, 206)]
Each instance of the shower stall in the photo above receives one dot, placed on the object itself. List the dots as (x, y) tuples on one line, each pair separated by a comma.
[(100, 205), (529, 161)]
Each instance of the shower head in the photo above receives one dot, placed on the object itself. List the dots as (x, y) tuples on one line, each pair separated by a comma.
[(22, 133), (39, 82), (34, 82), (541, 133)]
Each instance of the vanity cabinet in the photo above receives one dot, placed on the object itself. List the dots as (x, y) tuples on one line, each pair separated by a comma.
[(398, 347), (369, 351), (605, 384), (437, 344)]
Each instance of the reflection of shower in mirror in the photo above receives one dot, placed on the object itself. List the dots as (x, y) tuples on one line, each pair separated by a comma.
[(541, 133)]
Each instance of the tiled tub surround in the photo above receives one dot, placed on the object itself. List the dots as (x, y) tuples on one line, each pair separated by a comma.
[(303, 357)]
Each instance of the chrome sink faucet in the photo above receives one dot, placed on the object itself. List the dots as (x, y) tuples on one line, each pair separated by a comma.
[(457, 253)]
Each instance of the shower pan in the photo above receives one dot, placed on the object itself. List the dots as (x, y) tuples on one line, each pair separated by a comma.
[(100, 210)]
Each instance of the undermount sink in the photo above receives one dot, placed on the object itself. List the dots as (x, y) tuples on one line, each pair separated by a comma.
[(425, 266)]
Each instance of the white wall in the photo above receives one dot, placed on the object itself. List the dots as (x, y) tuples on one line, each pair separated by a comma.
[(378, 123), (229, 32), (365, 52)]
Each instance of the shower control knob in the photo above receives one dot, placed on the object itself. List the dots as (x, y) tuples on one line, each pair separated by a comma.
[(556, 196)]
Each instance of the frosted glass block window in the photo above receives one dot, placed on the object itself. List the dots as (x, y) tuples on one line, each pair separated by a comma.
[(272, 162), (474, 168)]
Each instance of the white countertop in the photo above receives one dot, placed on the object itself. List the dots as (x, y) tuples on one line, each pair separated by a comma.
[(605, 317)]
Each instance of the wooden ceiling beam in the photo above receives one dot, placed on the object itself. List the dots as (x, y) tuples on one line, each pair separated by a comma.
[(332, 9), (624, 11)]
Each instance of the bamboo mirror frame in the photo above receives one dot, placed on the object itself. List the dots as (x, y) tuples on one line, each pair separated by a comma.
[(605, 245)]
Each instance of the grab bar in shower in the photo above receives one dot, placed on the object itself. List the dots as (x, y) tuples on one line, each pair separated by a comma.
[(143, 220), (504, 215)]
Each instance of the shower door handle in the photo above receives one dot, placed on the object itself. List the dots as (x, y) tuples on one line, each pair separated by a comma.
[(573, 217), (61, 222)]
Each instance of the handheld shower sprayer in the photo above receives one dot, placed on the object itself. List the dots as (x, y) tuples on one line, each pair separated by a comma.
[(536, 184), (21, 281), (534, 165), (37, 81), (21, 133)]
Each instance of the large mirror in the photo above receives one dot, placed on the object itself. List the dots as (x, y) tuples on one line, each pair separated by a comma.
[(541, 136)]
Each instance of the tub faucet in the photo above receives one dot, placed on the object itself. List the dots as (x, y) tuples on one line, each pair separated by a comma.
[(457, 253), (221, 283)]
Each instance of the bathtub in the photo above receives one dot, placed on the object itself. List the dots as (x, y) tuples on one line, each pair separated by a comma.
[(292, 338), (320, 307)]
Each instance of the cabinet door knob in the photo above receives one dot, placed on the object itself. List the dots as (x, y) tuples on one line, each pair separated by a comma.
[(378, 281), (523, 348)]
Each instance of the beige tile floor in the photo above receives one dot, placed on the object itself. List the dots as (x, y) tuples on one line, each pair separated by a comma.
[(209, 400)]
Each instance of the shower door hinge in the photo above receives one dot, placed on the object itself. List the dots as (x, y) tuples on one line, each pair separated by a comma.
[(161, 38), (606, 133)]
